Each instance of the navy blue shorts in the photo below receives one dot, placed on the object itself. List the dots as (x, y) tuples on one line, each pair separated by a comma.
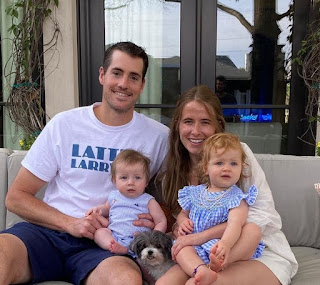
[(58, 256)]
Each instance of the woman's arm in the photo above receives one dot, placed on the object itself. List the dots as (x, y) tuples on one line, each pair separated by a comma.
[(262, 212)]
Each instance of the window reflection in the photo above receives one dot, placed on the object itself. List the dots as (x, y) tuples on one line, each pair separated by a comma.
[(251, 52), (154, 25)]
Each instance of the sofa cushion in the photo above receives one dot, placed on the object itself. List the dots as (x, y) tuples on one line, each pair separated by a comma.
[(309, 266), (299, 204)]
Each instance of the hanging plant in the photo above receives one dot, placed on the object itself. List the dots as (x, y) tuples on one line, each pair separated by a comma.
[(308, 57), (26, 62)]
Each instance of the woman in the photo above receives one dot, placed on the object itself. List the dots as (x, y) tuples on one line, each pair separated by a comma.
[(197, 116)]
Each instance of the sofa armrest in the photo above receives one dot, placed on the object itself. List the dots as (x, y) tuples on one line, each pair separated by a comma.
[(4, 153)]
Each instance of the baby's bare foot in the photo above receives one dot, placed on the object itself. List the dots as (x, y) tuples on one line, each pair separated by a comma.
[(205, 276), (116, 247)]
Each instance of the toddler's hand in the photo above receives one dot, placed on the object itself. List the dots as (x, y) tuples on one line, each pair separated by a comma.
[(185, 227), (181, 242), (222, 252)]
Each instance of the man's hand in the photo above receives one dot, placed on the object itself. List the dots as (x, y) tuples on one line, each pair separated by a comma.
[(144, 220), (86, 226)]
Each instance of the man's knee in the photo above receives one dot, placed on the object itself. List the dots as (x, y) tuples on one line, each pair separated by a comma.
[(14, 265), (116, 270)]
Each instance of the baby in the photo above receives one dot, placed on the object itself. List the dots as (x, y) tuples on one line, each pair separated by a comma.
[(130, 173)]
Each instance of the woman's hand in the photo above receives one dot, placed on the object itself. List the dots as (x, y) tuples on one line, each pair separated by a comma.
[(144, 220)]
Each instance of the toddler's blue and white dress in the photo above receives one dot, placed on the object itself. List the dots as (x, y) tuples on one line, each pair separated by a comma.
[(207, 209)]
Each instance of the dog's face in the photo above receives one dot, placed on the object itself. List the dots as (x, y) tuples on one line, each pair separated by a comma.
[(152, 248)]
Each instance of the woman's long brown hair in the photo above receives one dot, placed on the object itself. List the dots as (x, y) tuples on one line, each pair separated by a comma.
[(178, 162)]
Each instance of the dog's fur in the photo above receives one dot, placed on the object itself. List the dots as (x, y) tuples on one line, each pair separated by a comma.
[(153, 249)]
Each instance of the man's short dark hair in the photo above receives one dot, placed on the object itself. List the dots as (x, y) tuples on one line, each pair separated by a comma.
[(129, 48), (221, 78)]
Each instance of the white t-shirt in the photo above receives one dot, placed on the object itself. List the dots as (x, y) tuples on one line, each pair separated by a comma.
[(75, 150), (277, 255)]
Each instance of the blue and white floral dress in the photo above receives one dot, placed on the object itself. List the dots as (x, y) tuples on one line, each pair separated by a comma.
[(207, 209)]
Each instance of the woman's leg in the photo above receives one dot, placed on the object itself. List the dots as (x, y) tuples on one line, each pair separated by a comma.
[(249, 272), (175, 275)]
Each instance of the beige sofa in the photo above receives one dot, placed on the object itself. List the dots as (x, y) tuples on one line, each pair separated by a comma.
[(294, 181)]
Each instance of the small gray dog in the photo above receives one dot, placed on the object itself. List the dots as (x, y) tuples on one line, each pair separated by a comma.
[(153, 249)]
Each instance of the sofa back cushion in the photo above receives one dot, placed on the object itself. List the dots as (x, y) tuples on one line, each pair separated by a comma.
[(294, 182), (14, 164)]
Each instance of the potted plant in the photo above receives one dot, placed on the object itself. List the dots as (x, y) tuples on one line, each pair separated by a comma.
[(25, 66), (308, 57)]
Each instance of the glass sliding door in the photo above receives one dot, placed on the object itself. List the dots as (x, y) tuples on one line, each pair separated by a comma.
[(192, 42), (253, 79), (154, 25)]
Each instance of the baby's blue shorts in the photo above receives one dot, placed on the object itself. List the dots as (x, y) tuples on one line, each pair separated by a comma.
[(58, 256)]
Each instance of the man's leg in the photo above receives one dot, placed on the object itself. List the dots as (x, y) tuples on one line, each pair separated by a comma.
[(14, 265), (116, 270)]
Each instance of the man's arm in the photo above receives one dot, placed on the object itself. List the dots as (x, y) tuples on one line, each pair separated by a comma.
[(22, 201)]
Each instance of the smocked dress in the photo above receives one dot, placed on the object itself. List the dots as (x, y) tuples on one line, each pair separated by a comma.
[(207, 209)]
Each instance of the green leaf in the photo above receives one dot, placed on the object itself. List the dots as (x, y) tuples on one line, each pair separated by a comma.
[(47, 12), (15, 31), (19, 4), (312, 119), (56, 2), (297, 60), (15, 13)]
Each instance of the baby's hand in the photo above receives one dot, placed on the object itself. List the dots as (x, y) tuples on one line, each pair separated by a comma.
[(94, 210), (185, 227), (222, 252)]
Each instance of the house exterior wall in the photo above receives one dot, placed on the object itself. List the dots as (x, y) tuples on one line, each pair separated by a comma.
[(61, 72)]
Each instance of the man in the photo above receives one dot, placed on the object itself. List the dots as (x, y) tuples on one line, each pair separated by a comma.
[(73, 154), (226, 99)]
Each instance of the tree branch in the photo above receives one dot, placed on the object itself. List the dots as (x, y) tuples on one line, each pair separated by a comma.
[(238, 15), (285, 14)]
